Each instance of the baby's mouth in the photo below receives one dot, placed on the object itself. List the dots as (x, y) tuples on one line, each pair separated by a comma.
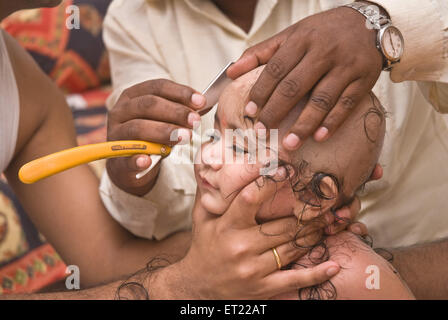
[(206, 183)]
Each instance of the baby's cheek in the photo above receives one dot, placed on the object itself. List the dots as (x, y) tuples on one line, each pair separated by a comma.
[(237, 176)]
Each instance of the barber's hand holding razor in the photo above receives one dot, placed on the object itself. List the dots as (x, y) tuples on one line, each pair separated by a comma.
[(150, 111)]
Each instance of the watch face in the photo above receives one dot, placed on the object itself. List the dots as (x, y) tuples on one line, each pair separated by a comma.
[(392, 43)]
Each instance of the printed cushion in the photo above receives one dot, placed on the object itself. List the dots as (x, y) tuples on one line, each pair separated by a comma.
[(75, 59)]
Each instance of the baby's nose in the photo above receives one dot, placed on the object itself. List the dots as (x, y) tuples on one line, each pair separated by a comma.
[(212, 155)]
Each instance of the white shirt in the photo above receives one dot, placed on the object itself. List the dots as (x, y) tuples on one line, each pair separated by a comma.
[(9, 107), (189, 41)]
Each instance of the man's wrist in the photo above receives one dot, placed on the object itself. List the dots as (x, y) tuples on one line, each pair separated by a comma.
[(379, 20), (166, 284), (157, 286), (381, 9)]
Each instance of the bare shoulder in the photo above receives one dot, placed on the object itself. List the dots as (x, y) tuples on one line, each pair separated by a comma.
[(43, 109), (364, 274)]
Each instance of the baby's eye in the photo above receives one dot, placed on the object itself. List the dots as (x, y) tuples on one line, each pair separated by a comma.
[(238, 150), (213, 137)]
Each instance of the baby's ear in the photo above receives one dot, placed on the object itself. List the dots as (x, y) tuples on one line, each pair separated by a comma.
[(325, 193), (328, 188), (329, 193)]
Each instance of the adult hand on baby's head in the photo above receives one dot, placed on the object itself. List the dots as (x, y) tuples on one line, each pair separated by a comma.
[(331, 55), (149, 111), (231, 256)]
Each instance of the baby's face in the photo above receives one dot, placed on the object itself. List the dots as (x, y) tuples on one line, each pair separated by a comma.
[(227, 167), (315, 178)]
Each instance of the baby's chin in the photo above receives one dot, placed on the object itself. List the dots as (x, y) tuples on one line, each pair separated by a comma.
[(213, 205)]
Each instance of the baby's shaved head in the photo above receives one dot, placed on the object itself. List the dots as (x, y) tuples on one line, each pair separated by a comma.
[(349, 156)]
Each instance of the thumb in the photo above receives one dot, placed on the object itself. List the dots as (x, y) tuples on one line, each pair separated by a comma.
[(138, 162), (124, 169)]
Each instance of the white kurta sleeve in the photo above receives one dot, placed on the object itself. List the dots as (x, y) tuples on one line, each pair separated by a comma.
[(424, 25), (167, 207)]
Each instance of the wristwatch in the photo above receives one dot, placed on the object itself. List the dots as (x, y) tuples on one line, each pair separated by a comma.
[(390, 41)]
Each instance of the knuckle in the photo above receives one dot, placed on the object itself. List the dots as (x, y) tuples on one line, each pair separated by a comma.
[(309, 240), (348, 102), (267, 115), (122, 105), (249, 197), (289, 228), (275, 68), (119, 108), (246, 272), (290, 225), (292, 233), (321, 101), (126, 92), (141, 103), (311, 34), (291, 253), (238, 249), (158, 84), (132, 130), (149, 100), (248, 52), (290, 88)]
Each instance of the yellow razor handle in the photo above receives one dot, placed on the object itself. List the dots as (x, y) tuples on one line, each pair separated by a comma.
[(54, 163)]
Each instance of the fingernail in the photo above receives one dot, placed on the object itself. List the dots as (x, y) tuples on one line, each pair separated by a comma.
[(183, 136), (260, 130), (332, 271), (321, 134), (192, 118), (251, 108), (259, 126), (198, 99), (291, 141), (141, 162)]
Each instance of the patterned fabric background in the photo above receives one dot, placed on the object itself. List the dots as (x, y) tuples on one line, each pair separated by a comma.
[(77, 61)]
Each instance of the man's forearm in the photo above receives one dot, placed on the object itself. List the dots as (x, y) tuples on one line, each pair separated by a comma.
[(148, 283), (106, 292), (424, 267)]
